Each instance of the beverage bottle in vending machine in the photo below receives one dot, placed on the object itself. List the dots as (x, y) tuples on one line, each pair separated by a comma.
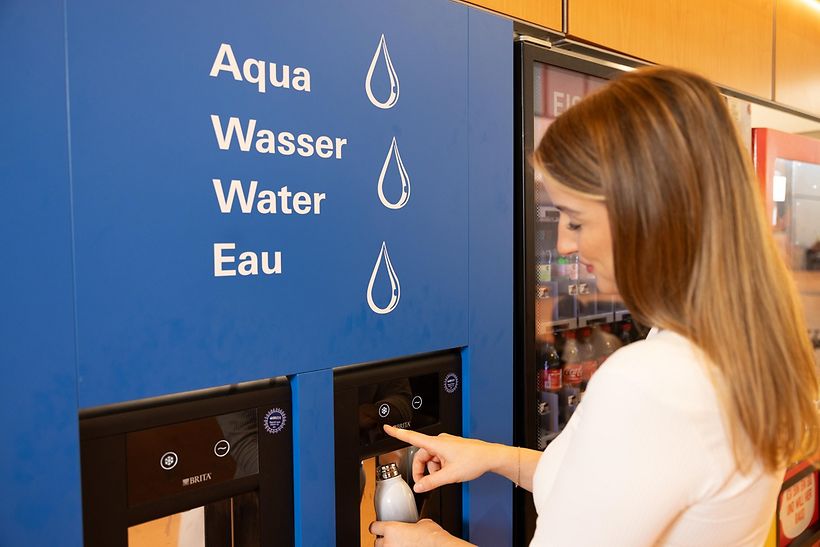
[(571, 390), (544, 274), (571, 357), (587, 356), (573, 266), (587, 288), (549, 385), (561, 269), (544, 267), (550, 373), (627, 336), (604, 342)]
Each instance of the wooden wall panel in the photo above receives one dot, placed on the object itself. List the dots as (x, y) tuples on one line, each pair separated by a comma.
[(545, 13), (797, 54), (729, 42)]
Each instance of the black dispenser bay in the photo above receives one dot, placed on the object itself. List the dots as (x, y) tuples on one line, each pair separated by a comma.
[(211, 467), (422, 393)]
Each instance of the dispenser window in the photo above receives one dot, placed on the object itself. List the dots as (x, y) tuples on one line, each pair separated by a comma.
[(409, 403), (427, 504), (190, 455), (224, 523)]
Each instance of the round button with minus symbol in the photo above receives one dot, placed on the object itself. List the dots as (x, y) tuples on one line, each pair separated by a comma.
[(416, 402), (221, 448)]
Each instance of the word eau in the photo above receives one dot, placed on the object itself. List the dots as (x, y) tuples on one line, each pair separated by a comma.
[(266, 141), (256, 71), (267, 202), (249, 262)]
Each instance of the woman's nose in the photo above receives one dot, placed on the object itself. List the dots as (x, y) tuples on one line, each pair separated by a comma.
[(567, 243)]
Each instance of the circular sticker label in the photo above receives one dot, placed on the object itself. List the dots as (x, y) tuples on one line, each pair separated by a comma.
[(275, 420), (451, 382)]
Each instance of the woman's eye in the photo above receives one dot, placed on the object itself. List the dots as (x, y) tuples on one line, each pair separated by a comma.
[(571, 226)]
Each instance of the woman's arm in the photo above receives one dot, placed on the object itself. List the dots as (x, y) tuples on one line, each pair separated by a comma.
[(517, 464), (449, 459)]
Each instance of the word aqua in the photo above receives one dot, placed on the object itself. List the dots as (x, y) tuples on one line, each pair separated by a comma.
[(256, 71)]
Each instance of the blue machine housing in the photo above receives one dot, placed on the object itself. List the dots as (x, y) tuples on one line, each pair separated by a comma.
[(393, 233)]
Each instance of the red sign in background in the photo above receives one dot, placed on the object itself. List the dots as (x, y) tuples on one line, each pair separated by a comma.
[(797, 508)]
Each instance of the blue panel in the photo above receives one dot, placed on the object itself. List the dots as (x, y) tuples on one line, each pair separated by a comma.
[(313, 448), (489, 415), (152, 316), (39, 458)]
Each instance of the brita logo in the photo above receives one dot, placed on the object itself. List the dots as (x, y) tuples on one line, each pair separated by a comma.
[(205, 477)]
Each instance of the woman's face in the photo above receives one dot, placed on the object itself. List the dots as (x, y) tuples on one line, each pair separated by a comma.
[(584, 229)]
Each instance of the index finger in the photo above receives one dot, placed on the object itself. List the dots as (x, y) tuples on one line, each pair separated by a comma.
[(410, 437)]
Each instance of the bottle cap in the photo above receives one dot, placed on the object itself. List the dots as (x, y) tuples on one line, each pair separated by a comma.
[(388, 471)]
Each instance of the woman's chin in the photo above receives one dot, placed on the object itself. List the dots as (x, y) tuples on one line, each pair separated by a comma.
[(606, 288)]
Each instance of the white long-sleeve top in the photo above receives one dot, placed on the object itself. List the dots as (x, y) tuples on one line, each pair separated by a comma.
[(646, 460)]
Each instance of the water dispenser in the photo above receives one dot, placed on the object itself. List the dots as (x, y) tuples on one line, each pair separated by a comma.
[(210, 468), (422, 393)]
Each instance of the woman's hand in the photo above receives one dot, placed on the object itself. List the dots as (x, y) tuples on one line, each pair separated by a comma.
[(424, 533), (448, 459)]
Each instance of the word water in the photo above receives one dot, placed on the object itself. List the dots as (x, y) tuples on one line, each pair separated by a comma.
[(266, 202)]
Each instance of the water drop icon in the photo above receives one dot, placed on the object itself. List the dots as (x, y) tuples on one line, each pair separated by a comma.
[(395, 286), (391, 73), (405, 179)]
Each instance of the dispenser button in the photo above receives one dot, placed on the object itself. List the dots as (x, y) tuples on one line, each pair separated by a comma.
[(221, 448), (384, 410), (169, 460), (416, 402)]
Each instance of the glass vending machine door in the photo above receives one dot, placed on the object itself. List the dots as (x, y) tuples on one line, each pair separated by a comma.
[(565, 327), (576, 327)]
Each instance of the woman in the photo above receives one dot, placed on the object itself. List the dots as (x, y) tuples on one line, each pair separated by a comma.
[(681, 439)]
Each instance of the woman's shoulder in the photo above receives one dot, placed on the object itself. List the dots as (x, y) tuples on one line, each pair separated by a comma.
[(665, 368), (660, 353)]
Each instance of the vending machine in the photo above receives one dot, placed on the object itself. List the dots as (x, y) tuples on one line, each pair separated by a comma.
[(565, 329), (788, 168)]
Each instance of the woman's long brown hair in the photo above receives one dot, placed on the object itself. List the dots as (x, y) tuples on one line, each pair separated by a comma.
[(691, 248)]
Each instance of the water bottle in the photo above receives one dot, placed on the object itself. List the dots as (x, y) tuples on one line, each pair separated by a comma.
[(394, 500)]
